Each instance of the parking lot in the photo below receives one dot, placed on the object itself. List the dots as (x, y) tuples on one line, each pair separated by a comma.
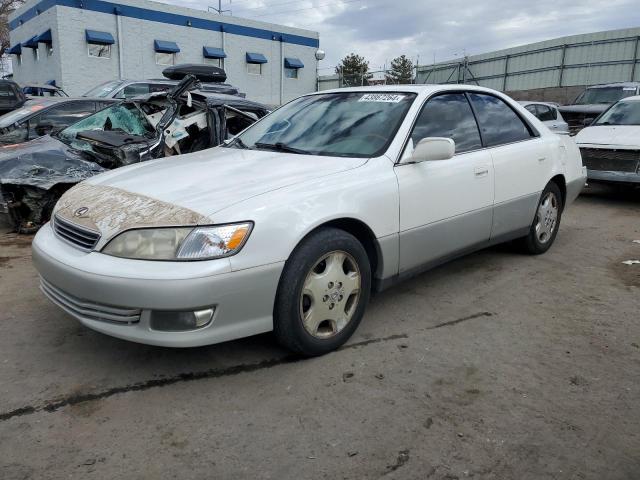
[(495, 366)]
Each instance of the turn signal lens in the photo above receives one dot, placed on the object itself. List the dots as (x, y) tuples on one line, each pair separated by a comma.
[(214, 242)]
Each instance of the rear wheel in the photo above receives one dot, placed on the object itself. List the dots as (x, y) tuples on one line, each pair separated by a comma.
[(545, 225), (323, 293)]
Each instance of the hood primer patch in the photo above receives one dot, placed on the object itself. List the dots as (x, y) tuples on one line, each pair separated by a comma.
[(111, 210)]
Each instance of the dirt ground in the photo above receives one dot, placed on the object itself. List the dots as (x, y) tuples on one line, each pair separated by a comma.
[(495, 366)]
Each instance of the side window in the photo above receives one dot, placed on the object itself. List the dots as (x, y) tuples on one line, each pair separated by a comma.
[(159, 87), (133, 90), (498, 122), (532, 109), (448, 115), (59, 116), (546, 113)]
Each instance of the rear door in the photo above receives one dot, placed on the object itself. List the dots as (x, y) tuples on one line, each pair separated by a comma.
[(445, 205), (522, 162)]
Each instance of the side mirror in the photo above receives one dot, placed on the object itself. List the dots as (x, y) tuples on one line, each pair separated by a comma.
[(433, 148)]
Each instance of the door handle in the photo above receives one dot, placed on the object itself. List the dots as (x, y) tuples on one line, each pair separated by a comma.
[(481, 171)]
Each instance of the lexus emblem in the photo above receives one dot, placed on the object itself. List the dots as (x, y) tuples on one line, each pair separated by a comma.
[(81, 212)]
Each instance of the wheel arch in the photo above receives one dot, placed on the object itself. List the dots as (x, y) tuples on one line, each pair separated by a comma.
[(362, 232), (562, 185)]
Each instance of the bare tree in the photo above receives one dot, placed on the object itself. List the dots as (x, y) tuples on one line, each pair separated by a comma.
[(6, 7)]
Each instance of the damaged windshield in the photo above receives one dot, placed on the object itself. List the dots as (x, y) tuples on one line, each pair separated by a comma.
[(123, 118), (622, 113), (350, 124)]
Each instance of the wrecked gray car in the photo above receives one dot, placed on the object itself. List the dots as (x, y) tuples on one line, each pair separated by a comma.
[(34, 174)]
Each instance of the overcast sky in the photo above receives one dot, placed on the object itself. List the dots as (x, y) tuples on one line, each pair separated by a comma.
[(383, 29)]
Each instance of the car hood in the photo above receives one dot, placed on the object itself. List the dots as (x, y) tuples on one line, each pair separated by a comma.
[(618, 135), (596, 108), (189, 189), (43, 163)]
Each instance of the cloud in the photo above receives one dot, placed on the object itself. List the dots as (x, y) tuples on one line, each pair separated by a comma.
[(382, 29)]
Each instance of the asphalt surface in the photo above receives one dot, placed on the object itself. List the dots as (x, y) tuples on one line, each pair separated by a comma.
[(495, 366)]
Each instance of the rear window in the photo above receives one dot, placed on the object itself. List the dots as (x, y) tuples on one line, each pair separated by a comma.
[(7, 91)]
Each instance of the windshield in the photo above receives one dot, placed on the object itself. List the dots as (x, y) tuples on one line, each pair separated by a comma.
[(604, 95), (122, 117), (350, 124), (16, 116), (622, 113), (103, 90)]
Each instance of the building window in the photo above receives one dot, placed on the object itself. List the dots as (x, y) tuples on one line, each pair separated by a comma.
[(49, 50), (216, 62), (163, 58), (100, 51), (291, 72), (36, 54), (254, 68)]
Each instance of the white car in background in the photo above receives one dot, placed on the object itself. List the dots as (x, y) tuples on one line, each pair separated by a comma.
[(548, 114), (610, 147), (292, 224)]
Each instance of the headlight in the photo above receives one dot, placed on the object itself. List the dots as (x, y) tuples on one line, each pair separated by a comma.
[(199, 243)]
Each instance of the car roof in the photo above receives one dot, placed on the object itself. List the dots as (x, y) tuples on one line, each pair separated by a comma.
[(53, 100), (419, 89), (533, 102)]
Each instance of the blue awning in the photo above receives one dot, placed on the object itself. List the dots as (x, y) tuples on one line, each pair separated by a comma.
[(213, 52), (290, 62), (31, 43), (163, 46), (100, 38), (256, 58), (15, 50), (44, 37)]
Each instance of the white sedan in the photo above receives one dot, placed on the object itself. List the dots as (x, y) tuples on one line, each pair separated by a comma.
[(293, 224), (610, 146), (548, 114)]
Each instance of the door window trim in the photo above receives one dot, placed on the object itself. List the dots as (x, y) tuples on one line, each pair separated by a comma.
[(415, 120)]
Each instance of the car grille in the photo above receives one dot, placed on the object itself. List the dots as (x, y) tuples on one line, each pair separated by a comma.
[(576, 121), (89, 310), (74, 234), (610, 160)]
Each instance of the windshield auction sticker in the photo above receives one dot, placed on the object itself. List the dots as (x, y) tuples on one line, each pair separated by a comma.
[(381, 97)]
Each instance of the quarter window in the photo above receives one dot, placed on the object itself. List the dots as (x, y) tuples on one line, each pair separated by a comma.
[(99, 50), (499, 123), (448, 115)]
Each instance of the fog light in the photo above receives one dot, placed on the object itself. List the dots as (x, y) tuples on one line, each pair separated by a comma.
[(171, 321)]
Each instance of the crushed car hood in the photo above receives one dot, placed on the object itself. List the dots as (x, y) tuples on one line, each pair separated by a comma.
[(618, 135), (43, 163), (195, 186)]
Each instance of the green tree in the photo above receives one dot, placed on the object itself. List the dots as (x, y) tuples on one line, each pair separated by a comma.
[(354, 70), (401, 71)]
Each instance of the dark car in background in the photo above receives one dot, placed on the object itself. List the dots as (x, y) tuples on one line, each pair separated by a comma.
[(595, 100), (41, 115), (34, 174), (11, 96)]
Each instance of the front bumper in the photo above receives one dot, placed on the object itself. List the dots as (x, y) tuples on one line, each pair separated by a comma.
[(613, 177), (115, 296)]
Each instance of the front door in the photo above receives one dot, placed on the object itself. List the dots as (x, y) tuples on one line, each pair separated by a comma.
[(446, 205)]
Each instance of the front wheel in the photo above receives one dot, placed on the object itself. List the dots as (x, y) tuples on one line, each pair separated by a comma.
[(545, 225), (323, 293)]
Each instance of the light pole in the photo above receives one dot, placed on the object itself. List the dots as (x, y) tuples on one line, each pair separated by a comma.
[(319, 56)]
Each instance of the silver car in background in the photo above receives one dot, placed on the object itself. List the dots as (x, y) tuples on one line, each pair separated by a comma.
[(548, 114)]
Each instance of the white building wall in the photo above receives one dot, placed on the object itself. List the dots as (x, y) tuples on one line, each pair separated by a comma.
[(76, 72)]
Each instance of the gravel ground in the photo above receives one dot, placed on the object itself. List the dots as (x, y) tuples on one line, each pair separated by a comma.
[(495, 366)]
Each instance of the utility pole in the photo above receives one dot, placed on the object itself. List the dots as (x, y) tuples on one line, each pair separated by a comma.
[(218, 10)]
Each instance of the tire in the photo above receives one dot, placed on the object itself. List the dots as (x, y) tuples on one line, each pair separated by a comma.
[(546, 222), (319, 305)]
